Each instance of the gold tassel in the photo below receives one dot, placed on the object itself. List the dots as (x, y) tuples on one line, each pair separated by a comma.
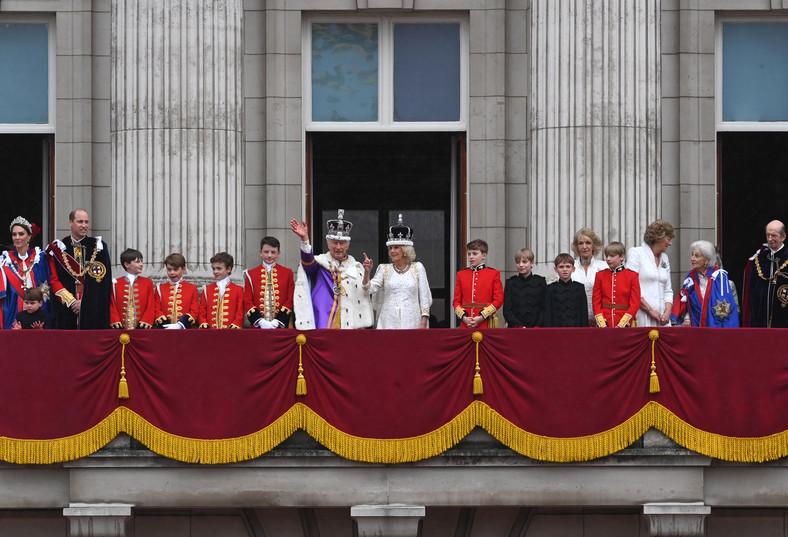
[(653, 381), (301, 382), (478, 387), (123, 387)]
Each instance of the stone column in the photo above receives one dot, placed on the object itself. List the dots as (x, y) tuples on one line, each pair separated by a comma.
[(676, 519), (98, 520), (594, 121), (391, 520), (175, 130)]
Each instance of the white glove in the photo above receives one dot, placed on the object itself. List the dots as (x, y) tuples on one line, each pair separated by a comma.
[(262, 323), (174, 326)]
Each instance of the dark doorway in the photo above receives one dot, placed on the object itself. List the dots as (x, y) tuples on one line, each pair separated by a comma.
[(26, 182), (375, 177), (753, 191)]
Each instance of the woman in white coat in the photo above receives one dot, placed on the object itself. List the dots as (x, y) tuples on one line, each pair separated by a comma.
[(650, 261), (586, 246), (404, 296)]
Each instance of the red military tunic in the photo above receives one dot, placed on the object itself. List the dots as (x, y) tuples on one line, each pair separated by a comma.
[(478, 291), (132, 306), (269, 298), (616, 296), (178, 302), (224, 312)]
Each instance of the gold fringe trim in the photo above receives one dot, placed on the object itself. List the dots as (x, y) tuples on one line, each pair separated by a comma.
[(396, 450)]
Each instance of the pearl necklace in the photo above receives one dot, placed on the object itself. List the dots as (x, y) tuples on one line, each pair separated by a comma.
[(403, 271)]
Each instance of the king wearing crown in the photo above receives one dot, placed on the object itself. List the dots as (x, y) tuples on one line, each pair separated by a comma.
[(328, 289)]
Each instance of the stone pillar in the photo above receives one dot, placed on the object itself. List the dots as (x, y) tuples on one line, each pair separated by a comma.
[(175, 130), (391, 520), (98, 519), (676, 519), (594, 121)]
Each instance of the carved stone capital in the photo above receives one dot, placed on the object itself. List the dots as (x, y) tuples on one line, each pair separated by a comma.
[(391, 520), (676, 519)]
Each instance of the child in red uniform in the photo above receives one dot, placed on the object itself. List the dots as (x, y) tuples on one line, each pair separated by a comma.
[(177, 300), (222, 303), (268, 289), (133, 304), (616, 290), (478, 292)]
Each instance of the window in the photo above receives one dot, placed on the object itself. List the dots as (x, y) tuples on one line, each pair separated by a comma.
[(25, 77), (385, 74), (754, 75)]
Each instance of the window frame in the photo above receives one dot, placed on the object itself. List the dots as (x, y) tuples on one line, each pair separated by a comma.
[(731, 126), (385, 120)]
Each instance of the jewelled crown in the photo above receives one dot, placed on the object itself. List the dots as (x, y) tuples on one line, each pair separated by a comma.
[(400, 235), (339, 228)]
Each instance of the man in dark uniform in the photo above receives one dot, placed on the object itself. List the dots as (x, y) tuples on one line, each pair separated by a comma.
[(767, 281), (83, 267)]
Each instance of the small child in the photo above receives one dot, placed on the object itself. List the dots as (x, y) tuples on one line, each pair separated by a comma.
[(616, 290), (222, 303), (268, 289), (133, 303), (523, 295), (33, 316), (565, 300), (478, 292), (177, 301)]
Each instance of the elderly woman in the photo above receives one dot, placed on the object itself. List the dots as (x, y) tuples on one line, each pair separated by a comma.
[(586, 246), (25, 267), (706, 296), (404, 296), (650, 261)]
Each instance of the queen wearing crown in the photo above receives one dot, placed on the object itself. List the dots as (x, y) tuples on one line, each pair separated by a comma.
[(403, 292), (25, 267), (328, 290)]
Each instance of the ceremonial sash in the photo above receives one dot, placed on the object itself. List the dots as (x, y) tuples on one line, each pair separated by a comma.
[(67, 262)]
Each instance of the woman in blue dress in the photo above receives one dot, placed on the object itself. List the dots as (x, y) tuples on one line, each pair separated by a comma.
[(25, 267), (706, 297)]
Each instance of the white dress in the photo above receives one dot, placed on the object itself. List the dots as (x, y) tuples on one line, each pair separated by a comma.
[(587, 279), (402, 298), (654, 281)]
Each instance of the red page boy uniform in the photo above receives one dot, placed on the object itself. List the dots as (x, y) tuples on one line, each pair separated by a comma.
[(178, 303), (478, 291), (616, 296), (268, 295), (222, 305), (133, 303)]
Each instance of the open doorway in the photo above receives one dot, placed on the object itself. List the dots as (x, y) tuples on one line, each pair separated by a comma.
[(27, 163), (377, 176), (753, 191)]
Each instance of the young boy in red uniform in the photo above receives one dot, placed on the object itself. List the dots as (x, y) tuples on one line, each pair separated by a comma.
[(478, 292), (616, 290), (268, 289), (222, 302), (177, 300), (133, 304)]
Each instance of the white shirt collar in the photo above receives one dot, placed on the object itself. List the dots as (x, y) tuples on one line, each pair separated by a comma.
[(131, 278), (222, 285)]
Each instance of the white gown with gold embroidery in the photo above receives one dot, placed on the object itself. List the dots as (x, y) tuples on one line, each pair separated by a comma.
[(401, 299)]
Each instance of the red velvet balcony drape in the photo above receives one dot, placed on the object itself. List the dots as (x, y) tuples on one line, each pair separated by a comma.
[(393, 396)]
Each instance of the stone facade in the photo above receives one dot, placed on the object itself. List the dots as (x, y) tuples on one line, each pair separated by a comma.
[(239, 143), (668, 168)]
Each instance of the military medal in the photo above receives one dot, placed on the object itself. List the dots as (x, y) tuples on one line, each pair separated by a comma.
[(97, 270), (722, 310)]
